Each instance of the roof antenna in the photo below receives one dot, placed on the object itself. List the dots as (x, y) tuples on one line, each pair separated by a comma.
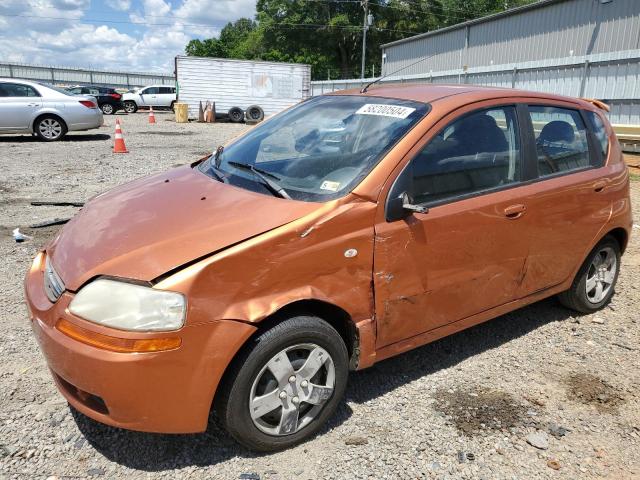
[(366, 87)]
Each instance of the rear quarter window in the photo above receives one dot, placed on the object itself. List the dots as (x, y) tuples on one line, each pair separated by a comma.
[(600, 131)]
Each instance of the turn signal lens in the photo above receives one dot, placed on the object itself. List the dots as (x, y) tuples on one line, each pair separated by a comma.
[(115, 344), (88, 103)]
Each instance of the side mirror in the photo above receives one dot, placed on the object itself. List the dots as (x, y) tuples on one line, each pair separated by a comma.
[(399, 203)]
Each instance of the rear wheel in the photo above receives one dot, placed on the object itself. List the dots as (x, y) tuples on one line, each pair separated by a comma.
[(50, 128), (173, 106), (107, 109), (595, 282), (130, 107), (285, 386)]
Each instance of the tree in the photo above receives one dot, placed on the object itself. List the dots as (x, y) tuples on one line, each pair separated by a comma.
[(328, 34)]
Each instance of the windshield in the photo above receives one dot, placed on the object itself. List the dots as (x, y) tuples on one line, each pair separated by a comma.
[(318, 150)]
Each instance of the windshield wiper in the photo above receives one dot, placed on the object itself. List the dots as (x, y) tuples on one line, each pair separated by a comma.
[(263, 175)]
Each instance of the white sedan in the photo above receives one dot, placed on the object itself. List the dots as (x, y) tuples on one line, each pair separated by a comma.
[(44, 110)]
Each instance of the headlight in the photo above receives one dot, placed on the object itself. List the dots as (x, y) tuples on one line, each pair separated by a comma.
[(129, 307)]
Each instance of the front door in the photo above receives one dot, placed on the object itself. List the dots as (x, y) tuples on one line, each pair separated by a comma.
[(467, 253), (150, 96)]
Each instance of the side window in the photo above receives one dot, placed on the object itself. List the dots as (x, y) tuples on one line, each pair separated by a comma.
[(599, 130), (94, 91), (150, 91), (561, 140), (17, 90), (166, 90), (480, 151), (75, 91)]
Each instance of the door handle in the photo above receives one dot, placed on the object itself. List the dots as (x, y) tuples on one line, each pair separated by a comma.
[(32, 104), (514, 211), (599, 186)]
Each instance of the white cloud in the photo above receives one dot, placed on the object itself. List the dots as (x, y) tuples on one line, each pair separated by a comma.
[(63, 39), (121, 5)]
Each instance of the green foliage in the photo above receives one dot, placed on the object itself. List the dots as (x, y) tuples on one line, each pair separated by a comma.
[(328, 34)]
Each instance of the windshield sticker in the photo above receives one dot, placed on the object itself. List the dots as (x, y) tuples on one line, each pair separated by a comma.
[(395, 111), (331, 186)]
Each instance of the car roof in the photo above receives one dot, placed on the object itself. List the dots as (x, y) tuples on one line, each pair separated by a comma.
[(429, 93)]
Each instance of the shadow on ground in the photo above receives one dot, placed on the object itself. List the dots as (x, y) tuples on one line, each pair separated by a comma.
[(71, 137), (158, 452)]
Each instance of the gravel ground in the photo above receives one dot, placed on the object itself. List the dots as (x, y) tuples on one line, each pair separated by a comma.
[(538, 393)]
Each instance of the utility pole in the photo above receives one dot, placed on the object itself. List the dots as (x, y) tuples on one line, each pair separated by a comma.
[(365, 27)]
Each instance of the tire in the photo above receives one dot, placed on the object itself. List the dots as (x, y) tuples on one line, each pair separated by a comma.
[(173, 106), (254, 114), (236, 115), (49, 128), (130, 106), (251, 376), (595, 282), (107, 109)]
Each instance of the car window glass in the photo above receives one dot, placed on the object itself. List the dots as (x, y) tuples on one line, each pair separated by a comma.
[(75, 91), (150, 91), (17, 90), (165, 90), (600, 132), (93, 91), (478, 152), (561, 140)]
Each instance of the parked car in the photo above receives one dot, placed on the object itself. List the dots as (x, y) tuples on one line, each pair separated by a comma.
[(44, 110), (156, 96), (109, 100), (255, 279)]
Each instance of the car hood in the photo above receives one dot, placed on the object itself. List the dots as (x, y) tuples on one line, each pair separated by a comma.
[(150, 226)]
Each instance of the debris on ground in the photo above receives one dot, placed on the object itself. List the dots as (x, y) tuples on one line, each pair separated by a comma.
[(558, 431), (592, 390), (37, 203), (20, 237), (49, 223), (553, 463), (538, 439), (356, 441)]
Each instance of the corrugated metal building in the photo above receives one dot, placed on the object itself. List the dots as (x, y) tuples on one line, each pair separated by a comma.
[(71, 76), (582, 48)]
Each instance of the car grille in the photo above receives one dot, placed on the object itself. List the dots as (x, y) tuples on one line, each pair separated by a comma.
[(53, 284)]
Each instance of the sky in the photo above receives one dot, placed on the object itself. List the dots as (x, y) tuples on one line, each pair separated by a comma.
[(110, 34)]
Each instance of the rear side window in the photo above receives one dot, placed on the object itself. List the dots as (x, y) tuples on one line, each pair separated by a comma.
[(479, 152), (17, 90), (561, 140), (166, 90), (599, 130)]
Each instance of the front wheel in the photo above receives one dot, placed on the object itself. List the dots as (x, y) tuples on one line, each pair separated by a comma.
[(285, 385), (130, 107), (594, 284)]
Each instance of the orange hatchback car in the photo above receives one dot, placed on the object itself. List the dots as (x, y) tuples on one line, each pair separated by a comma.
[(350, 228)]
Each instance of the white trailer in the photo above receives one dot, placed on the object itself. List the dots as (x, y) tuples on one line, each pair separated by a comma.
[(240, 84)]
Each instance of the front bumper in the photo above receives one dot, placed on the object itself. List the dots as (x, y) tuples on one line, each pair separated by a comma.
[(168, 392)]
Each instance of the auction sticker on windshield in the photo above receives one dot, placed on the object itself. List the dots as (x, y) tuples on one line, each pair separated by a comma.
[(395, 111), (331, 186)]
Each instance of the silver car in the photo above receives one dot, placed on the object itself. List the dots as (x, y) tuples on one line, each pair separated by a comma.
[(44, 110)]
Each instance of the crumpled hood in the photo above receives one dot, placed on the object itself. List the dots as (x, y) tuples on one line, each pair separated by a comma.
[(152, 225)]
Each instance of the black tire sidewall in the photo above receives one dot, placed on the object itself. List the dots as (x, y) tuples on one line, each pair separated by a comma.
[(579, 289), (296, 330), (42, 137), (134, 107), (236, 115)]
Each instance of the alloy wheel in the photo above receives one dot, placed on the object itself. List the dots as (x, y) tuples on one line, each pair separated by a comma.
[(291, 389), (107, 109), (601, 275), (50, 128)]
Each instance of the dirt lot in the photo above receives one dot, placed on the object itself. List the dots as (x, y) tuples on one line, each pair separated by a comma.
[(470, 406)]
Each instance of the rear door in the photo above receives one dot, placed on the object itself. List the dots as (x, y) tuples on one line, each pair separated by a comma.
[(19, 104), (467, 253), (166, 96), (572, 200)]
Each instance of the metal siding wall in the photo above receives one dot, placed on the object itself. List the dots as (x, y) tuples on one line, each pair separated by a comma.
[(229, 83), (61, 75)]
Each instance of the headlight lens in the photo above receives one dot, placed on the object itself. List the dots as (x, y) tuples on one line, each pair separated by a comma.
[(129, 307)]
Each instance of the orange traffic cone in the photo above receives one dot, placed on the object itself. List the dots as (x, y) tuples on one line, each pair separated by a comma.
[(152, 117), (118, 144)]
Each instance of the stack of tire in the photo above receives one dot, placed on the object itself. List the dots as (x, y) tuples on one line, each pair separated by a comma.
[(252, 115)]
